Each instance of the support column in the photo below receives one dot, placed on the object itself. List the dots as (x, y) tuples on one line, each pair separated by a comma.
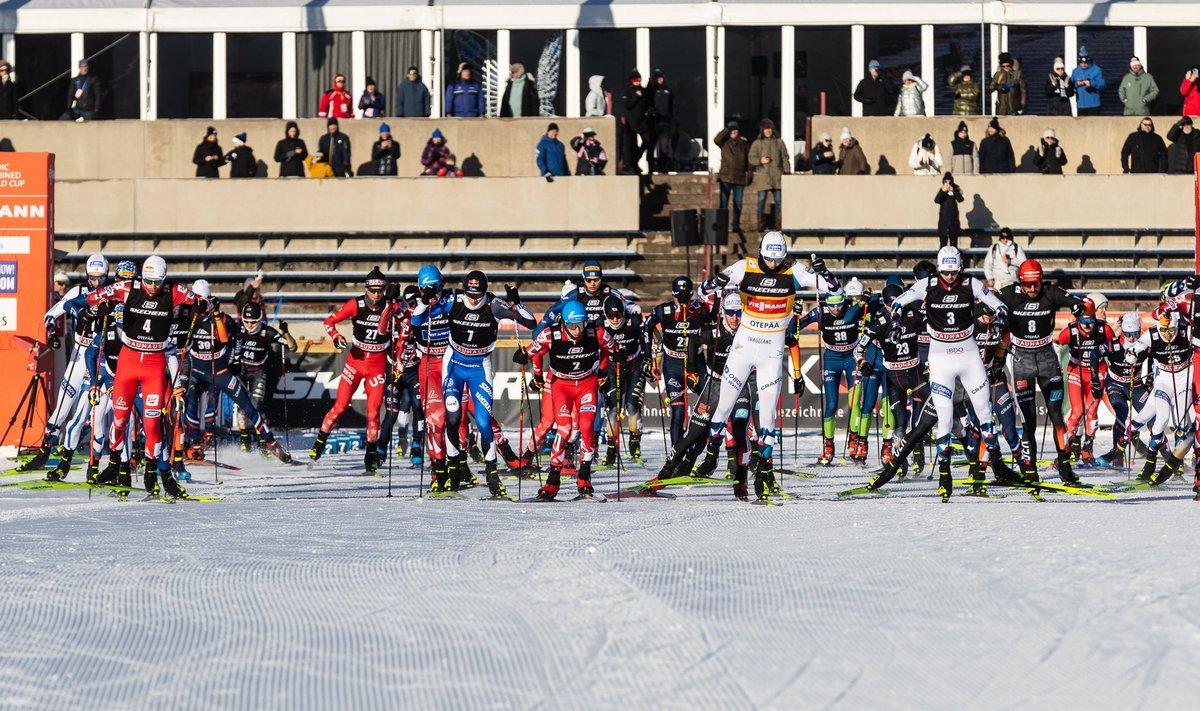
[(9, 47), (146, 70), (503, 62), (1140, 47), (927, 71), (288, 61), (76, 50), (858, 63), (1070, 54), (358, 67), (644, 66), (575, 81), (431, 67), (787, 80), (220, 81), (999, 42), (715, 117)]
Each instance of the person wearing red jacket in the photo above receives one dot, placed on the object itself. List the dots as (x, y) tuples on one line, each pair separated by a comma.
[(1190, 91), (1087, 342), (576, 354), (368, 361), (337, 102)]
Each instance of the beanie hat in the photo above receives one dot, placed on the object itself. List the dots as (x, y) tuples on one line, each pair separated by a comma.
[(239, 139), (766, 123), (1134, 60), (846, 133), (552, 127), (210, 131), (825, 136), (332, 121), (966, 69), (635, 74), (384, 128), (962, 126), (437, 133), (927, 142), (1004, 58), (464, 67), (874, 64), (1058, 63), (337, 77), (1048, 133), (994, 123), (370, 82), (1083, 54), (376, 278), (732, 125)]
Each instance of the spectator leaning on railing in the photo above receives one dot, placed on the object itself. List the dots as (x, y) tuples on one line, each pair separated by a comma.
[(1144, 150), (1050, 157), (995, 150), (1059, 90), (337, 102)]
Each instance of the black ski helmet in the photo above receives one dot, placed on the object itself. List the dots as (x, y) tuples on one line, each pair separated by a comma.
[(614, 308), (476, 283), (252, 311)]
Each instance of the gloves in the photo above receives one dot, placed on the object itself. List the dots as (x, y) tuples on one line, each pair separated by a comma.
[(105, 307), (549, 178), (1130, 357), (721, 279), (393, 292), (511, 294), (339, 342), (94, 395), (54, 342), (1148, 382), (397, 373), (1097, 387), (1077, 309), (818, 265), (1164, 319), (866, 369), (798, 385), (655, 372), (537, 382), (693, 379), (897, 312), (520, 357), (797, 308), (602, 379), (283, 327), (1193, 282), (429, 294)]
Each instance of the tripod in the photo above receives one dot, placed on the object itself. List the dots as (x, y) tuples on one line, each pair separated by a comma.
[(27, 408)]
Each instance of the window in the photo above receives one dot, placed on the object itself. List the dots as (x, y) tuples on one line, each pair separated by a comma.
[(956, 46), (389, 55), (43, 70), (254, 72), (898, 48), (1110, 49), (185, 80), (610, 54), (113, 58), (477, 48), (1171, 52), (680, 54), (320, 56), (752, 77), (1034, 50), (543, 53), (822, 65)]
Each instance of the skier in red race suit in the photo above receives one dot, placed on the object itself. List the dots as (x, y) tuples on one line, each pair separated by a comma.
[(367, 362), (576, 351), (146, 336)]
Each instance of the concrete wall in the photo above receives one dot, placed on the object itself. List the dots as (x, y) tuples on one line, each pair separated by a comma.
[(1017, 201), (151, 205), (1092, 144), (163, 148)]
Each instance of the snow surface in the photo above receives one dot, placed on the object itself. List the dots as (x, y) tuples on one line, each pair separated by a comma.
[(310, 590)]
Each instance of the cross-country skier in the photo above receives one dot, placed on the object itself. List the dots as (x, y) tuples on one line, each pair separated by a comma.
[(1170, 402), (678, 321), (1087, 342), (623, 321), (1126, 386), (256, 344), (839, 323)]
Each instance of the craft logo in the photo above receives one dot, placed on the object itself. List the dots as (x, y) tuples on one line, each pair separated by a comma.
[(8, 277)]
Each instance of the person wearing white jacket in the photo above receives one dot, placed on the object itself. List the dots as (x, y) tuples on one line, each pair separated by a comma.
[(1002, 260), (926, 157), (911, 101)]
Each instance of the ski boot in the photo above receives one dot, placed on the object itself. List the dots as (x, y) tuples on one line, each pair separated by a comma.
[(890, 469), (402, 441), (125, 479), (860, 456), (37, 461), (731, 456), (171, 486), (1075, 449), (370, 459), (454, 471), (110, 473), (416, 455), (93, 470), (549, 490), (918, 456), (1114, 458), (181, 472), (195, 452), (1065, 475), (1172, 465), (60, 470), (1140, 447), (318, 447), (635, 445), (278, 451), (886, 453), (466, 477), (150, 478), (584, 479), (610, 454), (440, 478), (945, 482), (510, 457), (851, 446), (740, 490), (247, 442), (709, 464), (827, 454), (1148, 467), (978, 485), (474, 450), (1088, 459), (494, 485), (764, 479)]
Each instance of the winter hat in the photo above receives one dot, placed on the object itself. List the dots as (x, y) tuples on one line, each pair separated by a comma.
[(846, 133), (592, 269), (966, 69), (464, 67), (927, 142), (1048, 133), (451, 159), (962, 126), (516, 68), (413, 70), (635, 75), (1135, 60), (240, 139), (765, 124), (948, 177), (1185, 121), (437, 133), (732, 125), (83, 62), (552, 127), (210, 131), (908, 75), (339, 77), (994, 123), (1059, 64), (332, 121), (825, 136), (376, 279), (291, 125), (1004, 58), (1083, 54), (874, 64), (589, 131), (384, 128)]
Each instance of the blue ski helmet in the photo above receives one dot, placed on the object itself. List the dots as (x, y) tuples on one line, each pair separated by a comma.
[(592, 270), (126, 269), (429, 276), (573, 312), (894, 280)]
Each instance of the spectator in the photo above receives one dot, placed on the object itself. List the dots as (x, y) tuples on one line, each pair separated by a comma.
[(251, 291), (551, 155), (8, 91), (318, 166), (337, 102), (335, 147), (412, 96), (770, 162), (465, 97), (926, 157), (995, 151), (520, 94), (1059, 90), (949, 195), (599, 100), (637, 104), (663, 114), (590, 156), (851, 159), (822, 158), (966, 92), (735, 169), (874, 92), (1144, 150), (1089, 84), (385, 152), (912, 99), (242, 163), (1009, 85), (450, 169), (1138, 90), (435, 153), (1003, 260), (372, 104), (963, 157), (62, 282), (1185, 142), (290, 152), (83, 96), (208, 156), (1050, 157), (1191, 92)]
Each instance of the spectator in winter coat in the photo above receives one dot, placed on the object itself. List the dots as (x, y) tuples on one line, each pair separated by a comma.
[(290, 152), (735, 169), (1089, 85), (1144, 150), (637, 105), (1138, 90), (1185, 142), (822, 157), (551, 155), (1191, 92), (963, 158), (770, 161), (926, 157), (1059, 90), (412, 96), (874, 92), (1050, 157), (590, 157), (208, 156), (520, 94), (1009, 85), (851, 159), (435, 153), (966, 92), (337, 102), (465, 97), (318, 166), (8, 92), (912, 96), (335, 147), (1003, 260), (995, 151), (948, 196), (664, 115), (83, 95), (598, 101), (371, 103), (385, 152), (242, 163)]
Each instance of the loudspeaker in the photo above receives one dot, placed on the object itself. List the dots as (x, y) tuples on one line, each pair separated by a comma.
[(714, 226), (685, 230)]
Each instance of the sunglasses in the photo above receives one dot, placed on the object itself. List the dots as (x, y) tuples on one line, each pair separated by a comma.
[(374, 289), (153, 282), (591, 280)]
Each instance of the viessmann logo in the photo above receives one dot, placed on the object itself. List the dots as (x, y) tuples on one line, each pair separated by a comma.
[(767, 307)]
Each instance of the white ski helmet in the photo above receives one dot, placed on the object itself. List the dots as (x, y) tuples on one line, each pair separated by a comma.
[(773, 245), (854, 288), (154, 269), (1131, 323), (732, 303), (97, 266), (949, 259), (201, 287)]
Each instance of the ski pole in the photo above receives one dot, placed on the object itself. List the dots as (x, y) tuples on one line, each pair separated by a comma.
[(618, 416), (520, 415)]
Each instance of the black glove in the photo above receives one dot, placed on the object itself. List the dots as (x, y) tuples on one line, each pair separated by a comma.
[(1097, 387), (866, 369), (549, 178), (721, 279), (54, 342), (105, 307), (339, 342), (393, 292), (818, 265), (1193, 282), (798, 384), (1077, 309), (520, 357), (511, 294), (1148, 382), (283, 328), (428, 294), (537, 382)]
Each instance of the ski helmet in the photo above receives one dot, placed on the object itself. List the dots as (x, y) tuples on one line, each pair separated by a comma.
[(894, 280), (614, 308), (854, 288), (252, 314), (949, 260), (97, 266), (126, 269), (154, 270), (682, 288), (891, 292), (732, 304), (592, 270), (1030, 272), (476, 284), (429, 275), (574, 313), (773, 246), (1131, 324), (202, 288), (1088, 317), (411, 293), (835, 299), (923, 269)]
